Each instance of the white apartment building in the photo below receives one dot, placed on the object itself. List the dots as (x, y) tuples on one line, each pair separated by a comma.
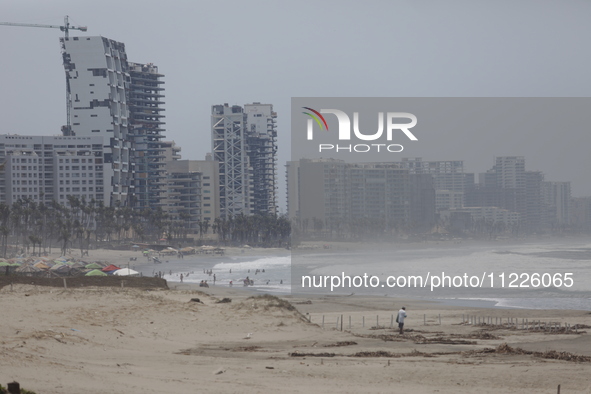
[(47, 168)]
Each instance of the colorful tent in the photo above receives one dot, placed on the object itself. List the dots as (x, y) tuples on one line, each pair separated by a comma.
[(95, 273), (110, 268), (94, 266)]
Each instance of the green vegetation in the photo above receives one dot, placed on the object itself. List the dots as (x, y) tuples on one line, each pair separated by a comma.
[(255, 230), (37, 227)]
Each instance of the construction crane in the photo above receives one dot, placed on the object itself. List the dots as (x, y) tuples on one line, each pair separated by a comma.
[(66, 29)]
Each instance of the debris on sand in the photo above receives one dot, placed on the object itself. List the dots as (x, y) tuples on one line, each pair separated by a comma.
[(550, 354), (341, 343)]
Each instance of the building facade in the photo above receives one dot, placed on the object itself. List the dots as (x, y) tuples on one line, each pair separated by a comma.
[(556, 197), (449, 180), (229, 147), (48, 168), (121, 102), (191, 192), (145, 132), (261, 137), (336, 193)]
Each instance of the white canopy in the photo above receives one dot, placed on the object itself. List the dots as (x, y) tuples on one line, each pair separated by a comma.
[(125, 272)]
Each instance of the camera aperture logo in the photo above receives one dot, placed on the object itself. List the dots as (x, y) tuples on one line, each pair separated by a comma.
[(391, 119)]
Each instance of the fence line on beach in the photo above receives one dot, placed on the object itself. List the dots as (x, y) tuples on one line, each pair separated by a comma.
[(338, 322)]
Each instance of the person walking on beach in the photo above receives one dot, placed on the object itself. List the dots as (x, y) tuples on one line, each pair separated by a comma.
[(400, 319)]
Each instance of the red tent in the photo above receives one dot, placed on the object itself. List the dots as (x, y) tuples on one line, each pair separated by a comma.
[(110, 268)]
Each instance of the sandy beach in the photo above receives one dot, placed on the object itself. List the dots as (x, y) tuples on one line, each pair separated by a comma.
[(98, 340)]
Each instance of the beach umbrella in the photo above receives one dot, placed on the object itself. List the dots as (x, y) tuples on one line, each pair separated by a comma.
[(125, 272), (94, 266), (96, 273), (27, 269), (41, 265), (63, 269)]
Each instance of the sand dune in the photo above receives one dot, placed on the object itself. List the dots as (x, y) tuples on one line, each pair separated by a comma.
[(101, 340)]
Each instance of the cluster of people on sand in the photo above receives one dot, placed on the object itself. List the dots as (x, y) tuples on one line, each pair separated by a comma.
[(203, 283)]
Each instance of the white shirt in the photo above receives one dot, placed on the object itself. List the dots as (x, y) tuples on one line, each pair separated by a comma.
[(401, 315)]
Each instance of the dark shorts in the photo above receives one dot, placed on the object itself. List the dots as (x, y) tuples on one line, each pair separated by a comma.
[(400, 325)]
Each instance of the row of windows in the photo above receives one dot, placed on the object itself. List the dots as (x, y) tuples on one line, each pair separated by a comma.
[(76, 189), (77, 168), (81, 175), (30, 168), (24, 174), (23, 160), (88, 197), (77, 161), (23, 196), (78, 182)]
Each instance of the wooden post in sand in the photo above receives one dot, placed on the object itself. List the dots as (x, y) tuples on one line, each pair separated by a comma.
[(363, 321), (391, 321), (341, 322), (424, 320), (349, 322), (377, 321), (322, 321), (65, 284), (558, 392), (440, 319), (337, 325)]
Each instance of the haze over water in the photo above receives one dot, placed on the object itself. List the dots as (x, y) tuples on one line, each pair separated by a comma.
[(283, 272)]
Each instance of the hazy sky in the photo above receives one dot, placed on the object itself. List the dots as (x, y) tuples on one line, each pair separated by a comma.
[(238, 52)]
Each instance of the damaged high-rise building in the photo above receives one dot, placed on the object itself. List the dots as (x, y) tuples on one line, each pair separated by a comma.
[(121, 102), (244, 145)]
